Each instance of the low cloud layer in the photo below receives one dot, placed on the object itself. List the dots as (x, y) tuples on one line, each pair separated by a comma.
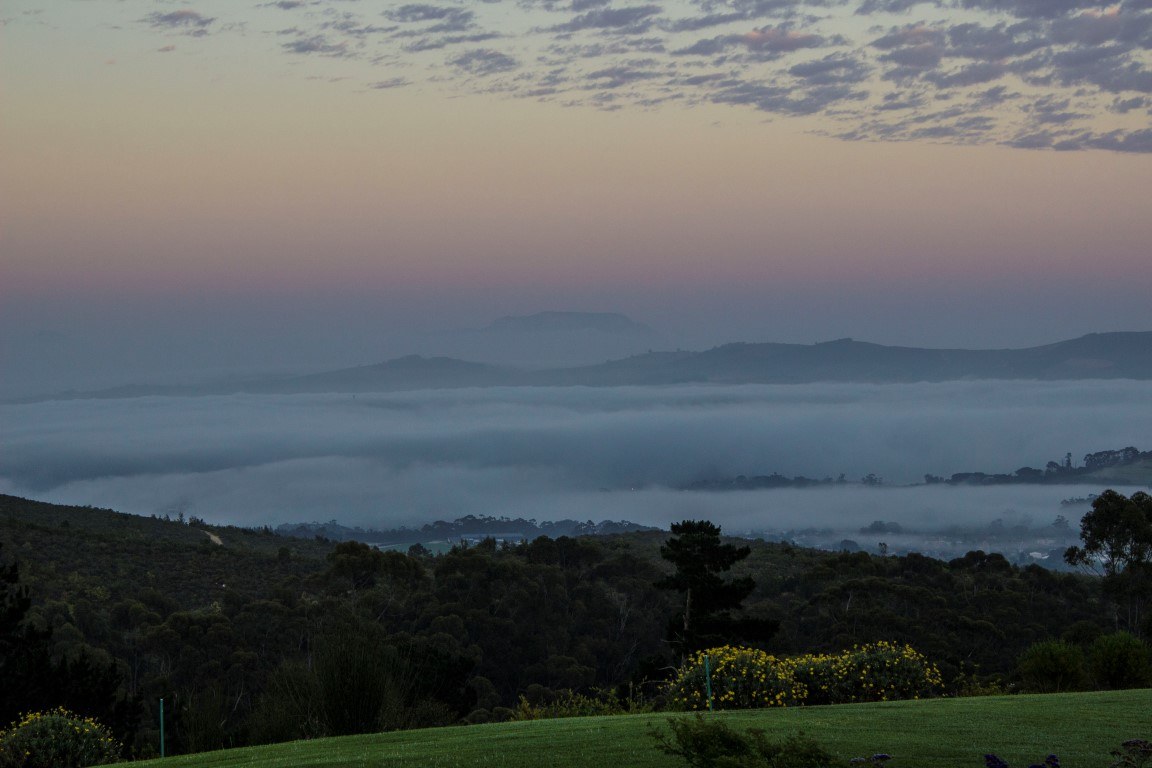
[(959, 71), (408, 458)]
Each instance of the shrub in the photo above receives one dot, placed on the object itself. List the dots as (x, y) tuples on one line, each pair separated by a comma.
[(708, 743), (57, 739), (745, 678), (1053, 666), (572, 704), (880, 671), (885, 671), (742, 678), (970, 686), (1134, 753), (1120, 660)]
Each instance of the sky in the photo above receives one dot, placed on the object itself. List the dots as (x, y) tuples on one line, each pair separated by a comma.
[(223, 187)]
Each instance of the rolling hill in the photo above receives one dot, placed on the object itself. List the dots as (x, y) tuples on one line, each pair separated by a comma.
[(1121, 355)]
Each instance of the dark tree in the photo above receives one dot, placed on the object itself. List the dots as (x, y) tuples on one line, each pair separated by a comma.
[(709, 599), (1117, 538), (32, 680)]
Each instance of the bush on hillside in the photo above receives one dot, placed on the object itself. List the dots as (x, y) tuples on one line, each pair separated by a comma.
[(879, 671), (1120, 660), (746, 678), (707, 743), (741, 678), (1053, 666), (543, 704), (57, 739)]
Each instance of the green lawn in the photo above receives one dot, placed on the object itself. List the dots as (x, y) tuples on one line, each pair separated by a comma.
[(1080, 728)]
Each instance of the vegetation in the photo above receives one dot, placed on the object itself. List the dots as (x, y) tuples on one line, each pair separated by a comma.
[(710, 601), (1126, 465), (57, 739), (1117, 538), (747, 678), (34, 679), (710, 743), (253, 638), (1082, 728)]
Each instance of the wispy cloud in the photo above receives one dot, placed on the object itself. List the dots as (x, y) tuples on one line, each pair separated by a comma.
[(483, 61), (965, 71), (186, 21)]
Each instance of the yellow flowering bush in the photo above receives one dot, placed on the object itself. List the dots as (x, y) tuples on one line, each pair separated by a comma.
[(881, 671), (742, 678), (57, 739), (746, 678)]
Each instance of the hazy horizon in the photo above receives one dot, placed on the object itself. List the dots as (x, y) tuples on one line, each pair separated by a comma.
[(44, 363)]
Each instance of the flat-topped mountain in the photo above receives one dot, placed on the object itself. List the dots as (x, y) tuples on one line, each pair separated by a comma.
[(567, 322), (1122, 355)]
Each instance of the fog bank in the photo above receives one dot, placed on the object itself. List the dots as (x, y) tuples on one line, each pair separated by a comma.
[(407, 458)]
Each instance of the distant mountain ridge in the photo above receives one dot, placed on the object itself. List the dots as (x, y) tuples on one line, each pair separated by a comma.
[(1096, 356), (1120, 355)]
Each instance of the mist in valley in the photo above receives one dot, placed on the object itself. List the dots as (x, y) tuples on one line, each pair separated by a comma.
[(387, 460)]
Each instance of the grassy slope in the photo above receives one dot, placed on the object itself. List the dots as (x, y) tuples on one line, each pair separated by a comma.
[(1080, 728)]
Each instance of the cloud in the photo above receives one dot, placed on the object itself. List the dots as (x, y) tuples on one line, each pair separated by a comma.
[(914, 35), (973, 74), (1108, 66), (445, 19), (785, 99), (765, 43), (436, 43), (484, 61), (1045, 9), (1121, 141), (1124, 106), (694, 23), (317, 44), (187, 21), (779, 40), (781, 57), (834, 68), (395, 82), (869, 7), (631, 20), (994, 43), (350, 25), (616, 77)]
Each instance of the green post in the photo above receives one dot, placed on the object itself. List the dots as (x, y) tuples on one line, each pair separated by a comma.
[(161, 727), (708, 681)]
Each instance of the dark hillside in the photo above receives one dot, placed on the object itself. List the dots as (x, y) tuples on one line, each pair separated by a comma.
[(225, 631)]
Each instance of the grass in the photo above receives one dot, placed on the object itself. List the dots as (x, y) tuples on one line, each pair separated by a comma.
[(1081, 728)]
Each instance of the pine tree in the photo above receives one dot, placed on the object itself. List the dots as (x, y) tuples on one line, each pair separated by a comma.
[(709, 599)]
